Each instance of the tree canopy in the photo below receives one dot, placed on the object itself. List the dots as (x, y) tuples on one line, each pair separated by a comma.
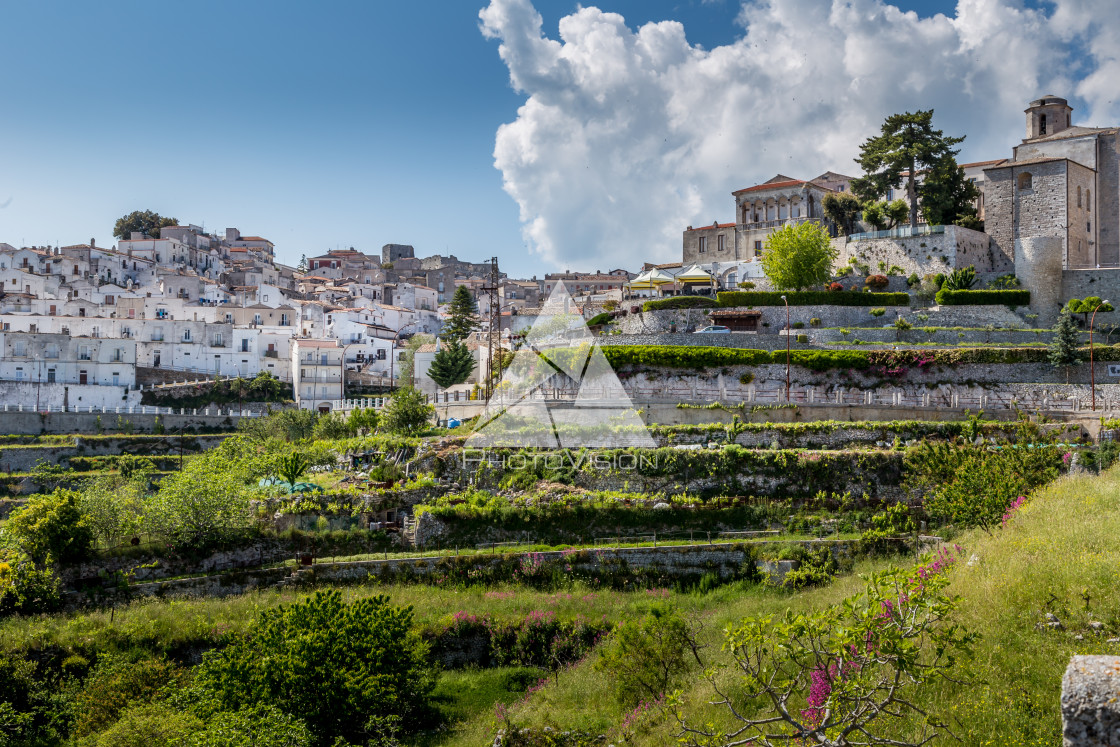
[(144, 221), (886, 215), (452, 365), (842, 209), (798, 256), (462, 316), (908, 144)]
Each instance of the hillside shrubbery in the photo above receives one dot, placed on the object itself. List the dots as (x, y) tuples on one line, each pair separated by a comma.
[(811, 298)]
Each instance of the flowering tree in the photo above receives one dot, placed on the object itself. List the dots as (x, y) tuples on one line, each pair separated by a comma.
[(843, 676)]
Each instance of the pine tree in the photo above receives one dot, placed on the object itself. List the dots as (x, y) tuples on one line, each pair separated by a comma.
[(452, 365), (302, 266), (1064, 350), (462, 316)]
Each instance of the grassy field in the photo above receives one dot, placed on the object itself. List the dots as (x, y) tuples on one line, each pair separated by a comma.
[(1059, 554)]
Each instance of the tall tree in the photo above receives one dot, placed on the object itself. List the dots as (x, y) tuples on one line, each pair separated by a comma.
[(948, 197), (842, 209), (908, 143), (302, 266), (452, 365), (462, 316), (144, 221), (885, 215), (798, 256), (1064, 351)]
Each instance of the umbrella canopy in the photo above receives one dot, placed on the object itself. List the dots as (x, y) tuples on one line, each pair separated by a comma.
[(694, 274), (651, 279)]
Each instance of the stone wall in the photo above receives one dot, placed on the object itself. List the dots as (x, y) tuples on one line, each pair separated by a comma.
[(34, 423), (24, 458), (1011, 213), (930, 254)]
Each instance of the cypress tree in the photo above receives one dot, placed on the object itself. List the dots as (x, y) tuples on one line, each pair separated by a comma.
[(1064, 346), (452, 365), (462, 316)]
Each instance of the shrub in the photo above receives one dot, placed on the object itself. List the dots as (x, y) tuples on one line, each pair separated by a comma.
[(679, 302), (26, 588), (600, 319), (812, 298), (815, 321), (647, 655), (876, 281), (149, 724), (332, 426), (798, 325), (913, 280), (803, 338), (746, 378), (961, 279), (407, 413), (947, 297), (746, 285), (117, 683), (877, 312), (52, 526), (331, 663)]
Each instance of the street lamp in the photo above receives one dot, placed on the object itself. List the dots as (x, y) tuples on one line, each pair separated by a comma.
[(1092, 369), (787, 348)]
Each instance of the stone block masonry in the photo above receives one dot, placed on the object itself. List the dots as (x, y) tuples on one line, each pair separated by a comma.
[(1091, 702)]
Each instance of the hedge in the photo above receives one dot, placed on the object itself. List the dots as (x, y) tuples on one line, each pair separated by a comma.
[(811, 298), (679, 302), (700, 358), (983, 297), (603, 318)]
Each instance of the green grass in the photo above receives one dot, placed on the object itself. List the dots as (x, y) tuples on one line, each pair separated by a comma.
[(1060, 548)]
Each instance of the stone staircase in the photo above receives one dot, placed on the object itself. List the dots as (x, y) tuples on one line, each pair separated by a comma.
[(300, 576)]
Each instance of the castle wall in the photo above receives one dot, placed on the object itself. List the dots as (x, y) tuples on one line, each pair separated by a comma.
[(1082, 252), (1107, 201), (930, 254), (1038, 265)]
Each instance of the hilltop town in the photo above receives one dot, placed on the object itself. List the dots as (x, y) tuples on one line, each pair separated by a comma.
[(842, 475)]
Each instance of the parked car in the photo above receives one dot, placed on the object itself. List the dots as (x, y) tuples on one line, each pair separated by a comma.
[(713, 329)]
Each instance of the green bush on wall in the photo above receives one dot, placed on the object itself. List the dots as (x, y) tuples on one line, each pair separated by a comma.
[(983, 297), (679, 302), (811, 298)]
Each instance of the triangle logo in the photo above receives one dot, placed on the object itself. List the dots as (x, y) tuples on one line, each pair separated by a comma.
[(559, 391)]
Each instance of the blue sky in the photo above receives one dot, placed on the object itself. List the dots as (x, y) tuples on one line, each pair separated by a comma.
[(333, 124)]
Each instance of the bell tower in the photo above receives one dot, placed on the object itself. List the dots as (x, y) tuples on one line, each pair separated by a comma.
[(1047, 115)]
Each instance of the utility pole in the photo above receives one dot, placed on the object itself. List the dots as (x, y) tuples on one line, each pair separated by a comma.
[(492, 292)]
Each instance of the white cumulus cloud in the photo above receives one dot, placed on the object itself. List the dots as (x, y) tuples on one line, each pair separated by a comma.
[(627, 136)]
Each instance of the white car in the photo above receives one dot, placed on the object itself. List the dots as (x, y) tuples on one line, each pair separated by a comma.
[(713, 329)]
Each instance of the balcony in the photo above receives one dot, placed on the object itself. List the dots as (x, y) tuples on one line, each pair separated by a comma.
[(764, 224), (217, 344), (271, 354)]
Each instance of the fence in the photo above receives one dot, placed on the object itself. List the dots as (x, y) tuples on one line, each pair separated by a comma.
[(231, 411), (902, 232)]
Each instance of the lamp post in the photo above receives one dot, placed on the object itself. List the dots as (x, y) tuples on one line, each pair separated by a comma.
[(1092, 368), (787, 347)]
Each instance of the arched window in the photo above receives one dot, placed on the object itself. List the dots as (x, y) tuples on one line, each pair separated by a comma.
[(1088, 201), (1025, 181), (1042, 124), (1079, 197)]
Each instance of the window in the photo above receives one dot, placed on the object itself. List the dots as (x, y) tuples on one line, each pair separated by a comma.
[(116, 378), (229, 318), (19, 374), (381, 354), (1042, 124), (1088, 201), (721, 242), (703, 244), (83, 353), (1026, 182), (245, 345), (218, 341), (132, 313), (83, 377), (51, 351), (841, 188), (758, 248), (1079, 197), (186, 335), (118, 355), (50, 375), (19, 348), (256, 318)]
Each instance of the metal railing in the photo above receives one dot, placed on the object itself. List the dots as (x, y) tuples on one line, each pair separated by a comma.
[(902, 232)]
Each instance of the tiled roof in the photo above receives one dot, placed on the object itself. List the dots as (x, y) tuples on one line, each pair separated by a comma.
[(1071, 132), (1027, 162), (974, 164), (705, 228), (252, 238), (779, 185)]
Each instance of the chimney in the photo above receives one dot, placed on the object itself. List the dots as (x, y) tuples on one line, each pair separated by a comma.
[(136, 236), (93, 243)]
